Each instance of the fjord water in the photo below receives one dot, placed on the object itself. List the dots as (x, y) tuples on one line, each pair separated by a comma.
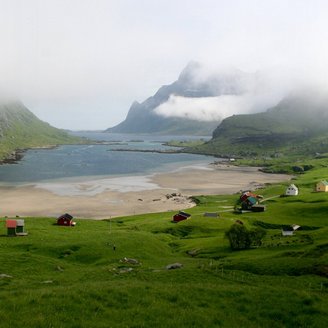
[(85, 161)]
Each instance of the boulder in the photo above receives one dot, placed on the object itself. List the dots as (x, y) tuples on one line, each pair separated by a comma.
[(174, 266)]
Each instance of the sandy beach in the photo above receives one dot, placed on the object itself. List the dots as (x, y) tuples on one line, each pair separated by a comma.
[(106, 197)]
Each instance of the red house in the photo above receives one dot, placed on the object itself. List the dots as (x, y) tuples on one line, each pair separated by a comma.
[(11, 227), (66, 220), (181, 216), (246, 194)]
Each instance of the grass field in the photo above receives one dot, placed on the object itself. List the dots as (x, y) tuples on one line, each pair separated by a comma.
[(72, 276)]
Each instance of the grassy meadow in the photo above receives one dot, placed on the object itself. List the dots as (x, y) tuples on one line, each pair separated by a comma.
[(72, 276)]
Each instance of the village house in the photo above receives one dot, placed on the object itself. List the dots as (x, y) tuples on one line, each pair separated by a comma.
[(181, 216), (15, 227), (287, 232), (11, 227), (322, 186), (66, 220), (248, 203), (291, 190)]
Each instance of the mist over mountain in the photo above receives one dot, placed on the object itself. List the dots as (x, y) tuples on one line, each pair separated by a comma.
[(198, 101), (297, 124)]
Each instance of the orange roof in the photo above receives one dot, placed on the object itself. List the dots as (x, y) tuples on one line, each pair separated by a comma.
[(11, 223)]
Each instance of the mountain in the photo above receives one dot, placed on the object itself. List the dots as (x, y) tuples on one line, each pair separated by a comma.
[(191, 84), (21, 129), (298, 124)]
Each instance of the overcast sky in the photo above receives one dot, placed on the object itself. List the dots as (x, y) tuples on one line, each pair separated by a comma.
[(79, 64)]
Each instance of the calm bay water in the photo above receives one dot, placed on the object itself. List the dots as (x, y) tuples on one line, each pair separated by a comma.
[(78, 161)]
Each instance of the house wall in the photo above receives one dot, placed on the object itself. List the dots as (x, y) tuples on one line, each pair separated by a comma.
[(321, 187), (291, 192), (64, 222), (178, 218)]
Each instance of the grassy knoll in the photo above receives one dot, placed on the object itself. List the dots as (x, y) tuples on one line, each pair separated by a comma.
[(20, 129), (72, 277)]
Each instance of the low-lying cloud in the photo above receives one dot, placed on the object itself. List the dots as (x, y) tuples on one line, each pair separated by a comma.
[(234, 92), (214, 108)]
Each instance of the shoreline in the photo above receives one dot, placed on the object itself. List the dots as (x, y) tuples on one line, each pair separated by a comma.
[(120, 196)]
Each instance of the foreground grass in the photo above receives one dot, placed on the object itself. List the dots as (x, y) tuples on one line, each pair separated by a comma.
[(72, 277)]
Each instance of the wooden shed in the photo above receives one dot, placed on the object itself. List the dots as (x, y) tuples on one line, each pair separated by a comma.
[(258, 208), (211, 214), (287, 231), (66, 220), (181, 216), (20, 226), (11, 227)]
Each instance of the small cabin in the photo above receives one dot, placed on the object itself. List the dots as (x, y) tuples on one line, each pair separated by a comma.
[(20, 226), (258, 208), (11, 227), (322, 186), (181, 216), (292, 190), (66, 220), (211, 214), (287, 232), (15, 227)]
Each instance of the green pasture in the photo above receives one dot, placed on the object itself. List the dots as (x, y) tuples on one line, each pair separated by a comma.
[(73, 277)]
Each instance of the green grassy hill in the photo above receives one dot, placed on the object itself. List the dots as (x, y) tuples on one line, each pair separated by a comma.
[(20, 129), (297, 125), (72, 277)]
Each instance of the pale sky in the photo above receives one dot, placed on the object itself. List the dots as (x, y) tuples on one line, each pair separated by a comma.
[(79, 64)]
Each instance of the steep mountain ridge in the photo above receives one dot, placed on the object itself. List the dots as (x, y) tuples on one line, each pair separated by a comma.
[(20, 129), (142, 117)]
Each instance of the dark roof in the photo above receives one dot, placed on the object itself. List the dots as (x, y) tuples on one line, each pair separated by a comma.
[(184, 214), (287, 228), (66, 216)]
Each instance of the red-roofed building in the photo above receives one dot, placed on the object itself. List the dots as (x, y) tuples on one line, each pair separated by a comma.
[(181, 216), (66, 220), (11, 227)]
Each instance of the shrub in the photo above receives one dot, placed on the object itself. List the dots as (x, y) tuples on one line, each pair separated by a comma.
[(242, 238)]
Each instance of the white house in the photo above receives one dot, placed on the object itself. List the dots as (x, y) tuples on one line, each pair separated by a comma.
[(292, 190), (287, 232)]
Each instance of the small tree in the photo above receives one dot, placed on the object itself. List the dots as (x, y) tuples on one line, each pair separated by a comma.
[(242, 238), (238, 237)]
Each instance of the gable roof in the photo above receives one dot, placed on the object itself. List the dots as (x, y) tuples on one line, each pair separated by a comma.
[(324, 182), (11, 223), (292, 186), (187, 215), (252, 200), (66, 216)]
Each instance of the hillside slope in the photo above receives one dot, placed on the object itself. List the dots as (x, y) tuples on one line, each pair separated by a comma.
[(76, 278), (20, 129), (298, 124)]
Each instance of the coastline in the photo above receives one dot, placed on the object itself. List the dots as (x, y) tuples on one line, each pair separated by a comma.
[(119, 196)]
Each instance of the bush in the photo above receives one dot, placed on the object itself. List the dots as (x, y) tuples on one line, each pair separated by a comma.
[(297, 169), (242, 238)]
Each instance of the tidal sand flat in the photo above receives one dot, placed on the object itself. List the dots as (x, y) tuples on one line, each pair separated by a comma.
[(100, 198)]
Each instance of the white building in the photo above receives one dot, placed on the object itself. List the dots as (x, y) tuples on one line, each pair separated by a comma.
[(292, 190)]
